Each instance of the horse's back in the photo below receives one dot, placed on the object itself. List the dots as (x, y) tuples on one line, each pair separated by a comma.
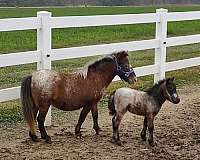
[(44, 83)]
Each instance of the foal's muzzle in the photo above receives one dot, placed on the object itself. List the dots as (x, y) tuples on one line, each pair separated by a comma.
[(175, 99)]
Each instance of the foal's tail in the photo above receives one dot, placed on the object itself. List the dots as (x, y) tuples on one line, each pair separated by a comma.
[(111, 105), (27, 103)]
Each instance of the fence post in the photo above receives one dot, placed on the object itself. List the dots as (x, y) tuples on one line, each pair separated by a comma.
[(160, 52), (44, 45)]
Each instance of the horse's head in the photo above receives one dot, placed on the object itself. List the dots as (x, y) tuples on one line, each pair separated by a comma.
[(170, 92), (123, 69)]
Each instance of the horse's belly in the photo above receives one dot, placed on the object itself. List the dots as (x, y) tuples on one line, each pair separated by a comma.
[(66, 106)]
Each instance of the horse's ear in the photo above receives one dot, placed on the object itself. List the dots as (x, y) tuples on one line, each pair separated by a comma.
[(122, 54), (125, 53)]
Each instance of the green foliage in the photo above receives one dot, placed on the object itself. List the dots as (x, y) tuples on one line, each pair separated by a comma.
[(10, 112)]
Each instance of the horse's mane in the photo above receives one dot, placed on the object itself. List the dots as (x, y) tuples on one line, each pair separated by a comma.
[(155, 87), (95, 65), (101, 61)]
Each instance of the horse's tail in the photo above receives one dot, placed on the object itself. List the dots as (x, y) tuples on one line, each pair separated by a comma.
[(27, 103), (111, 105)]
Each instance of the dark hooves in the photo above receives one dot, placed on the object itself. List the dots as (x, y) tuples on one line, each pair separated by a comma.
[(34, 137), (152, 144), (48, 139), (143, 138), (78, 134), (117, 142), (97, 130)]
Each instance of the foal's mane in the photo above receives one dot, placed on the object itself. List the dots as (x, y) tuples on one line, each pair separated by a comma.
[(155, 87)]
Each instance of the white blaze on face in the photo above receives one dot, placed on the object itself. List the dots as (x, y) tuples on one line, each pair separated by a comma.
[(44, 80)]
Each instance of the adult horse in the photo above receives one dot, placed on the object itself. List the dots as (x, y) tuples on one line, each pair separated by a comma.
[(82, 89)]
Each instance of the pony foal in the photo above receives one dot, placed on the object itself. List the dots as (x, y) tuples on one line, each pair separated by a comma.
[(146, 104)]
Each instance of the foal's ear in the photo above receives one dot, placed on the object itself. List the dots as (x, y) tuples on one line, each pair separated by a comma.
[(168, 80)]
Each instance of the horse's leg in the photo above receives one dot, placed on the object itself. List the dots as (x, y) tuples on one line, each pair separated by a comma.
[(82, 117), (115, 123), (32, 132), (150, 125), (41, 118), (143, 133), (94, 111)]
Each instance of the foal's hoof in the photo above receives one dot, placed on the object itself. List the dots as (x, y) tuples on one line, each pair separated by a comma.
[(143, 138), (152, 144), (78, 134)]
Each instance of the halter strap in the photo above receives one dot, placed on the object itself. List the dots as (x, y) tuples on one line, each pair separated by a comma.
[(120, 68), (166, 91)]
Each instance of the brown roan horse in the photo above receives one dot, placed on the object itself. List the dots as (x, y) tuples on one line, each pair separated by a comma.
[(82, 89)]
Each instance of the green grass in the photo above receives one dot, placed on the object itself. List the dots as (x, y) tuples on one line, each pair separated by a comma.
[(26, 40)]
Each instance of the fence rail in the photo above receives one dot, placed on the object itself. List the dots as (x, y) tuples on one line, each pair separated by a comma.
[(44, 54)]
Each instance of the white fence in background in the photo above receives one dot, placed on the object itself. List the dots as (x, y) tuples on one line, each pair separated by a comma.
[(45, 54)]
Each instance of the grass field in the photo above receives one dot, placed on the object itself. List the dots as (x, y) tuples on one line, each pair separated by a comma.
[(26, 40)]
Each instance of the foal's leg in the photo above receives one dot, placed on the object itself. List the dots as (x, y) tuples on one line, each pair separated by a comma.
[(150, 125), (143, 133), (82, 117), (41, 118), (94, 111), (115, 123)]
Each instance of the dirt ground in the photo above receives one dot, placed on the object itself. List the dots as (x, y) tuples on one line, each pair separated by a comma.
[(177, 134)]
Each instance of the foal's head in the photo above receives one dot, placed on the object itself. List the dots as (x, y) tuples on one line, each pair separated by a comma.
[(169, 90), (123, 69)]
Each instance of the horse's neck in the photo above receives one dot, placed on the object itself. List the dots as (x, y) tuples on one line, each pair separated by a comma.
[(105, 75), (159, 97)]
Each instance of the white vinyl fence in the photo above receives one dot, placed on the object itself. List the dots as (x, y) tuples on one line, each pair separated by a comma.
[(45, 54)]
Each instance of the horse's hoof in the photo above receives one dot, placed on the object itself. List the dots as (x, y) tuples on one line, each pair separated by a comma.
[(35, 138), (117, 142), (48, 140)]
